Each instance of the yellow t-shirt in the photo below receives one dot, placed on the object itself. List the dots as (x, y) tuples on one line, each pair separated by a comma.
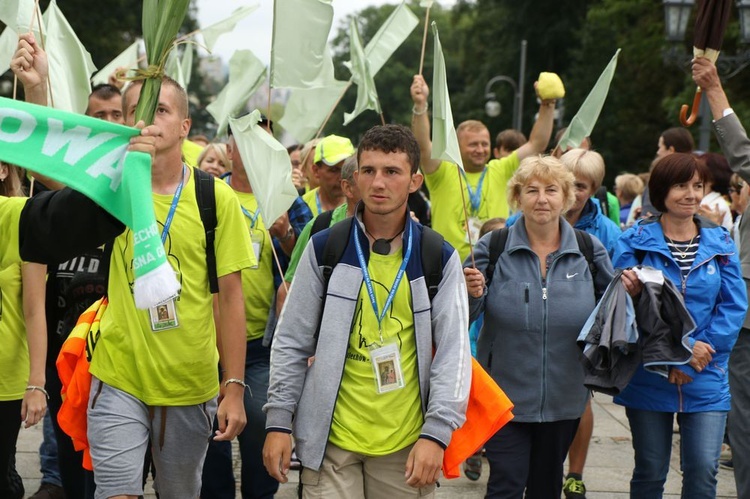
[(364, 421), (257, 283), (10, 214), (172, 367), (311, 199), (445, 197), (14, 350)]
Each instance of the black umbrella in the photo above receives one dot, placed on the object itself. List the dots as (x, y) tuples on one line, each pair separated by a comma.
[(710, 24)]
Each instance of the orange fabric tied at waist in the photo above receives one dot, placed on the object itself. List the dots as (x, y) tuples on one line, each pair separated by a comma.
[(489, 410), (73, 369)]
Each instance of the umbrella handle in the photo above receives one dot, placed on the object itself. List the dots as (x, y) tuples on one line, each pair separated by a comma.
[(684, 119)]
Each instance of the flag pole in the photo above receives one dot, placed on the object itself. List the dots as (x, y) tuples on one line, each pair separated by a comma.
[(382, 118), (424, 39), (278, 262), (466, 216), (38, 12)]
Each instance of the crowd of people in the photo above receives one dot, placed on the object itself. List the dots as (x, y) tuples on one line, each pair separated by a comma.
[(338, 339)]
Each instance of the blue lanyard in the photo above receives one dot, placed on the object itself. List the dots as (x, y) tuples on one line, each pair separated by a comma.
[(368, 282), (173, 207), (252, 216), (475, 197), (317, 202)]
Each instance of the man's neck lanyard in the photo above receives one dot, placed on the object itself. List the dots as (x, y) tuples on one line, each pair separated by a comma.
[(475, 196), (317, 202), (173, 207), (252, 216), (368, 282)]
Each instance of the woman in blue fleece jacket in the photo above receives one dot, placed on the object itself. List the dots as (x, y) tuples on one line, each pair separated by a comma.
[(700, 258), (541, 293)]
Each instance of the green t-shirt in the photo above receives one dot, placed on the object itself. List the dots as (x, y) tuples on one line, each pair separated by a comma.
[(10, 214), (177, 366), (338, 215), (364, 421), (14, 350), (257, 283), (448, 216)]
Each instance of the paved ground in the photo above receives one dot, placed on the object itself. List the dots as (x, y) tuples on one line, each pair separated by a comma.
[(607, 473)]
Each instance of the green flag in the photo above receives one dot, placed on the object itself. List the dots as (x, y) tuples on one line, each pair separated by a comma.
[(90, 155), (213, 32), (584, 121), (70, 65), (246, 74), (426, 4), (187, 64), (389, 37), (444, 138), (128, 58), (367, 94), (307, 108), (17, 14), (180, 68), (267, 165), (298, 48), (8, 44)]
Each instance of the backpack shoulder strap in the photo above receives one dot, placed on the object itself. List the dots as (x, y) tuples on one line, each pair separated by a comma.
[(322, 222), (432, 260), (334, 247), (601, 195), (498, 240), (586, 246), (206, 196)]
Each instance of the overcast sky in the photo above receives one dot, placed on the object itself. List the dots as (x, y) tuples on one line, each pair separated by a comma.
[(254, 32)]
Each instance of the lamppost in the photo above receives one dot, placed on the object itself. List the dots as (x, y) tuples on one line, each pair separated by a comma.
[(492, 106), (676, 15)]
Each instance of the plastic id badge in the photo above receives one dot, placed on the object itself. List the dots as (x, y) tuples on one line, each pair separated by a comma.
[(163, 316), (386, 363)]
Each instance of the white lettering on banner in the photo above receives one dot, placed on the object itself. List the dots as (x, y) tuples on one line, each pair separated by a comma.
[(110, 165), (77, 139), (142, 260), (26, 125), (143, 234), (160, 251)]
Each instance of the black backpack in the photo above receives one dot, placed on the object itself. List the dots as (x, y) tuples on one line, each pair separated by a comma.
[(432, 254), (206, 196), (499, 238)]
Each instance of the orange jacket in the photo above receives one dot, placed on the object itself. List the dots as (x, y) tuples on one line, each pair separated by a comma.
[(73, 369), (488, 411)]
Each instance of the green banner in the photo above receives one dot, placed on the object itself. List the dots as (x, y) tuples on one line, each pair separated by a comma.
[(90, 155)]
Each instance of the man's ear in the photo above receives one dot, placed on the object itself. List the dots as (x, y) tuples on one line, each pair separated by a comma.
[(185, 128), (416, 182)]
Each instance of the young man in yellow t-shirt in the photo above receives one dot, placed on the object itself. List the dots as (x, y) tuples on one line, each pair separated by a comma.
[(155, 379), (259, 288), (390, 381), (484, 181)]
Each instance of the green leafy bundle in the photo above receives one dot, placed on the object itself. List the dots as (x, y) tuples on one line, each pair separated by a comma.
[(161, 22)]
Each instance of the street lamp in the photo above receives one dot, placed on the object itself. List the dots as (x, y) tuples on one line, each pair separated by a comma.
[(676, 15), (492, 106)]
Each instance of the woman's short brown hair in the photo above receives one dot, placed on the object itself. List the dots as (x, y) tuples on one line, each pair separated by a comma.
[(670, 170)]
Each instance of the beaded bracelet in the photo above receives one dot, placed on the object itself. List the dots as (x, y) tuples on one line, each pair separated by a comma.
[(419, 113), (38, 388), (235, 380)]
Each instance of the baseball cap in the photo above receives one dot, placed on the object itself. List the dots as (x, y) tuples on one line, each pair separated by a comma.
[(333, 150)]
